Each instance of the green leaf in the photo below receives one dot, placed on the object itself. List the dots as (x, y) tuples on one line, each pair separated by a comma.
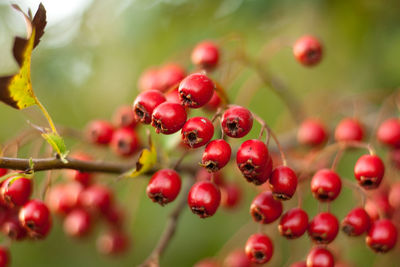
[(146, 161), (58, 144)]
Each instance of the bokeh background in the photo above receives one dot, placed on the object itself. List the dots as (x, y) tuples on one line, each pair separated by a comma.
[(93, 52)]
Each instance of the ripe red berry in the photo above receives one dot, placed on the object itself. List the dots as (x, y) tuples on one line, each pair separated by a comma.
[(312, 133), (112, 243), (216, 155), (214, 102), (294, 223), (35, 217), (115, 217), (237, 121), (265, 208), (382, 236), (394, 195), (283, 183), (124, 116), (13, 228), (168, 118), (149, 80), (237, 258), (196, 90), (308, 50), (3, 171), (16, 190), (164, 186), (389, 132), (356, 222), (99, 132), (4, 256), (349, 129), (323, 228), (231, 195), (215, 177), (145, 103), (62, 198), (377, 205), (169, 75), (320, 257), (259, 248), (96, 198), (299, 264), (369, 171), (204, 198), (77, 223), (83, 178), (124, 142), (326, 185), (205, 54), (197, 132), (173, 96), (254, 161)]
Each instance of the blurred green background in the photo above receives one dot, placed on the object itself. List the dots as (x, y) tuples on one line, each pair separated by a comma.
[(93, 52)]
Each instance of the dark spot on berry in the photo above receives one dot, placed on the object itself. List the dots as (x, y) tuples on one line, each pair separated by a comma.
[(281, 196), (211, 166), (348, 229), (259, 255), (257, 215), (201, 211)]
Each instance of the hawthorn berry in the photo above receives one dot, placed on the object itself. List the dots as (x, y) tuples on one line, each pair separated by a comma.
[(265, 208), (62, 198), (237, 258), (205, 54), (3, 171), (323, 228), (169, 75), (124, 142), (168, 118), (312, 133), (173, 96), (13, 228), (377, 205), (196, 90), (349, 129), (204, 198), (231, 195), (145, 103), (99, 132), (83, 178), (326, 185), (215, 177), (35, 217), (115, 216), (214, 102), (96, 198), (112, 243), (259, 248), (16, 190), (164, 186), (394, 195), (356, 222), (320, 257), (308, 50), (293, 223), (4, 256), (382, 236), (77, 223), (124, 116), (197, 132), (237, 121), (149, 80), (216, 155), (389, 132), (283, 183), (369, 171), (299, 264)]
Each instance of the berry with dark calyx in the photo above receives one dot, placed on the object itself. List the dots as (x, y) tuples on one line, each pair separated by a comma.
[(145, 103), (231, 195), (349, 129), (299, 264), (237, 258), (215, 177), (312, 133), (254, 161), (3, 171), (164, 186), (16, 190), (320, 257), (197, 132), (283, 183), (124, 142), (124, 116), (323, 228), (169, 75), (84, 178), (35, 217), (293, 223), (196, 90), (259, 248), (382, 236), (77, 223), (369, 171), (96, 198), (308, 50), (216, 155), (149, 80), (62, 198), (214, 103), (168, 118), (205, 54), (13, 228), (5, 258), (326, 185), (99, 132), (356, 222), (204, 198), (265, 208), (237, 121), (112, 243), (389, 132)]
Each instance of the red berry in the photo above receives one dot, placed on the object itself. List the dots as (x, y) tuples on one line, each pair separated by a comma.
[(377, 205), (216, 177), (326, 185), (196, 90), (294, 223), (394, 156), (205, 54), (323, 228), (356, 222), (77, 223), (35, 217), (204, 199), (124, 116), (112, 243), (237, 258), (308, 50), (214, 102), (99, 132), (124, 142), (259, 248), (299, 264), (169, 75), (3, 171), (312, 133), (173, 96), (230, 195), (149, 80), (115, 216), (168, 118), (369, 171), (16, 190), (320, 257), (164, 186), (145, 103), (13, 228), (96, 198), (389, 132), (254, 161), (349, 129), (4, 257), (265, 208), (382, 236), (283, 183), (62, 198), (197, 132), (216, 155), (394, 195), (83, 178), (237, 121)]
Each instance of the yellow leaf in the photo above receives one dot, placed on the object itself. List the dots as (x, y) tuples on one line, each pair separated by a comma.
[(146, 161)]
